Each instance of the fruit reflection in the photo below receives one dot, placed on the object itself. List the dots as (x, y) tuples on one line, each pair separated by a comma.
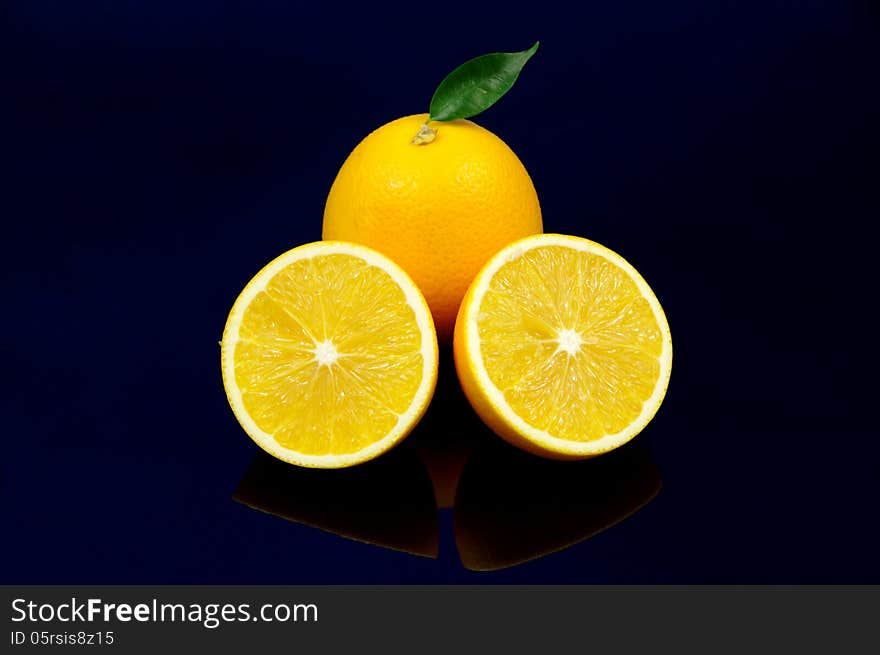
[(509, 507), (388, 502), (445, 463), (444, 445), (512, 507)]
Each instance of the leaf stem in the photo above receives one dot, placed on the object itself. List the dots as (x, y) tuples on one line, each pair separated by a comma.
[(425, 135)]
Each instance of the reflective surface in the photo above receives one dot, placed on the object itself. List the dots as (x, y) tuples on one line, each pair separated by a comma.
[(508, 507), (512, 508), (388, 502), (159, 154)]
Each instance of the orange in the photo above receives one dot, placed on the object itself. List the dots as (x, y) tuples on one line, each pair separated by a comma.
[(329, 355), (562, 348), (439, 209)]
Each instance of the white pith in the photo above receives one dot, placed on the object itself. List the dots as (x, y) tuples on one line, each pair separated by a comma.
[(569, 341), (325, 353)]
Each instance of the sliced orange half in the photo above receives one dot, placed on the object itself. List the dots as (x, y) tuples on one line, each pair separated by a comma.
[(562, 348), (329, 355)]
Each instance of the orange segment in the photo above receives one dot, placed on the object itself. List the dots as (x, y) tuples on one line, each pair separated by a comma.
[(329, 355), (562, 347)]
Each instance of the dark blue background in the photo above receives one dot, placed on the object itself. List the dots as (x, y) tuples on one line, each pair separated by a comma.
[(158, 154)]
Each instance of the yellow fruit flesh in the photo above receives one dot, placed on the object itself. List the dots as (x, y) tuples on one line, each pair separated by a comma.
[(570, 342), (328, 355)]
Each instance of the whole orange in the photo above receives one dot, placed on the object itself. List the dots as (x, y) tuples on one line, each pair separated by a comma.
[(440, 210)]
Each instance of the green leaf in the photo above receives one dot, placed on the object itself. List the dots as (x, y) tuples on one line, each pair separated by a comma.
[(477, 84)]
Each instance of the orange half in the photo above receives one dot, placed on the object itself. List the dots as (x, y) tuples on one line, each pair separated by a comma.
[(562, 348), (329, 355)]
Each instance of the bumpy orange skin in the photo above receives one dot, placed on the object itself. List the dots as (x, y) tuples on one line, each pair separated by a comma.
[(439, 210)]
